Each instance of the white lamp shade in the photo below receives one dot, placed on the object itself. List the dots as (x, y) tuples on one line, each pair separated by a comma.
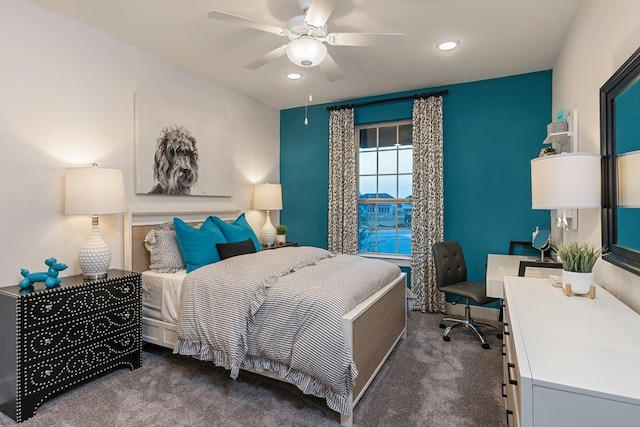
[(628, 170), (566, 181), (93, 191), (267, 197), (306, 52)]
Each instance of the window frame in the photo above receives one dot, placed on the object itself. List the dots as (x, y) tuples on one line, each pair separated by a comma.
[(398, 258)]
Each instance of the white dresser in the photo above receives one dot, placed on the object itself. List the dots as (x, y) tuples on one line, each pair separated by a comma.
[(569, 361)]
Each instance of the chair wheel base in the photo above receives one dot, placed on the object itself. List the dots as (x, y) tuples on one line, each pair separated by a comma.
[(446, 338), (442, 326), (485, 345)]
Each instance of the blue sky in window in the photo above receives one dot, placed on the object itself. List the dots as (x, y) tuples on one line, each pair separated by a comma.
[(394, 167)]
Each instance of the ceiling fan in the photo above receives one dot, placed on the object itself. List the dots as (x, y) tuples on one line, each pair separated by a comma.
[(307, 34)]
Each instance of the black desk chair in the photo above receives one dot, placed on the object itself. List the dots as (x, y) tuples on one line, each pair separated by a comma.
[(451, 278)]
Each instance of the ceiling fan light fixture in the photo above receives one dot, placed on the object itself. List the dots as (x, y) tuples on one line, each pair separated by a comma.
[(448, 44), (306, 52)]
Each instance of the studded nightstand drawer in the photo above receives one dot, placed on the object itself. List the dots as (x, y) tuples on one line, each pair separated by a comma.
[(75, 302), (47, 340), (54, 338), (78, 365)]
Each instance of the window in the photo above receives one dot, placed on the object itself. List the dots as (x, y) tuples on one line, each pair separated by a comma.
[(385, 162)]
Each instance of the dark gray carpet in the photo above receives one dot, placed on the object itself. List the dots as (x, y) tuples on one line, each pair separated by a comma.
[(426, 382)]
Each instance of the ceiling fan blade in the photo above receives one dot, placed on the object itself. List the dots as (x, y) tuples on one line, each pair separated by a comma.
[(365, 39), (319, 12), (331, 69), (246, 22), (267, 57)]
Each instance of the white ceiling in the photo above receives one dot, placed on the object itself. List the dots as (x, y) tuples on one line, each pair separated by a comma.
[(498, 38)]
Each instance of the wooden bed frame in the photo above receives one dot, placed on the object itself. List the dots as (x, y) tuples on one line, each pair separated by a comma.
[(372, 328)]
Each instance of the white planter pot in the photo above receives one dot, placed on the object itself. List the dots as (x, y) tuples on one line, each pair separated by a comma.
[(281, 239), (580, 282)]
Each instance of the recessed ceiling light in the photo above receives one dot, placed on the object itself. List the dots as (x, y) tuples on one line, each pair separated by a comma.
[(294, 76), (448, 44)]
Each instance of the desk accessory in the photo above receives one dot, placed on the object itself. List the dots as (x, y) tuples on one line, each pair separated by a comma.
[(541, 241)]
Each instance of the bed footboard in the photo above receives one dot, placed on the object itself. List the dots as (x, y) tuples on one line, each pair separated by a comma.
[(373, 329)]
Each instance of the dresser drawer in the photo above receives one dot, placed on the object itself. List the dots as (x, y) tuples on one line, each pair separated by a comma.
[(53, 338), (81, 363), (511, 373), (73, 302)]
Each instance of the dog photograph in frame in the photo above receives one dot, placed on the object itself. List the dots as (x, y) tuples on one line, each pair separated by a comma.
[(180, 150)]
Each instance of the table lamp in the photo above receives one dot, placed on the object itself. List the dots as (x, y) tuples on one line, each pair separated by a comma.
[(94, 191), (267, 197)]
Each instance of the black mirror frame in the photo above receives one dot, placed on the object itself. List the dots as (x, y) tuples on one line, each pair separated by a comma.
[(625, 258)]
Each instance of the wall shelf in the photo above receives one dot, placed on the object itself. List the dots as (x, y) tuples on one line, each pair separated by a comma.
[(560, 139), (557, 138)]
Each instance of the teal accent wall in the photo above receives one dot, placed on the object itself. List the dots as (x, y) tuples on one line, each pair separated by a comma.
[(492, 129)]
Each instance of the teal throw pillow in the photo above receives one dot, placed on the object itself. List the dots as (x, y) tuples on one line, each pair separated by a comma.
[(237, 231), (198, 245)]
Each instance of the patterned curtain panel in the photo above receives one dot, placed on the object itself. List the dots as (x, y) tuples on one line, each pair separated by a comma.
[(343, 201), (427, 223)]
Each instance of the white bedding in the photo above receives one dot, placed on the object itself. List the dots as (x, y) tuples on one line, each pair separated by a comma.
[(161, 295)]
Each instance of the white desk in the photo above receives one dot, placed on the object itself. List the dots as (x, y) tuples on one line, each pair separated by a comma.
[(499, 266), (574, 360)]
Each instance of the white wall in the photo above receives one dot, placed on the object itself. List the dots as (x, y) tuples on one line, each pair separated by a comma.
[(604, 34), (67, 100)]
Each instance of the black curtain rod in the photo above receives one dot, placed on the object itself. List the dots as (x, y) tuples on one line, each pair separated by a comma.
[(380, 101)]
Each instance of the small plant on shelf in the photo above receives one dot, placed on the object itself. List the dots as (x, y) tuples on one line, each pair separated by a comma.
[(547, 151)]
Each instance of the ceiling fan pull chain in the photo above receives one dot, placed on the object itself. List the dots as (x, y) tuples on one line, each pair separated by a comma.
[(309, 97)]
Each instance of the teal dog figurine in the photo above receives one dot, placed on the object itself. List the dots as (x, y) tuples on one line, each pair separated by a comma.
[(50, 277)]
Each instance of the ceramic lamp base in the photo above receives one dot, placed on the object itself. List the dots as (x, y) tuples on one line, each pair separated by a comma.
[(268, 233), (95, 256)]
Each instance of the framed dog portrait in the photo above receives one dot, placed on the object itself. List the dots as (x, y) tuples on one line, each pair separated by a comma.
[(180, 150)]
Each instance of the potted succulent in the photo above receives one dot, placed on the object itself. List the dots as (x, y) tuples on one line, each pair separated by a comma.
[(281, 231), (578, 260), (547, 151)]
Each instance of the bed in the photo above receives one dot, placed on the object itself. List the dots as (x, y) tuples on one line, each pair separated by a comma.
[(371, 329)]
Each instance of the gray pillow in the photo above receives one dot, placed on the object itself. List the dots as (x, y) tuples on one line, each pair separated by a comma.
[(162, 244)]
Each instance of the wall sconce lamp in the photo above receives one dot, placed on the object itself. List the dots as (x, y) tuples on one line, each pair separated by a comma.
[(267, 197), (566, 182), (94, 191)]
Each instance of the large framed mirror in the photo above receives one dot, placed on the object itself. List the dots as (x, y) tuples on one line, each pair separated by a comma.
[(620, 139)]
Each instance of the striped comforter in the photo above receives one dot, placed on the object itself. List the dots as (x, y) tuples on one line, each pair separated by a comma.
[(280, 311)]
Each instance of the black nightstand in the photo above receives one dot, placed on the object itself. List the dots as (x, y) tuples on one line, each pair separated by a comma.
[(54, 338), (284, 245)]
